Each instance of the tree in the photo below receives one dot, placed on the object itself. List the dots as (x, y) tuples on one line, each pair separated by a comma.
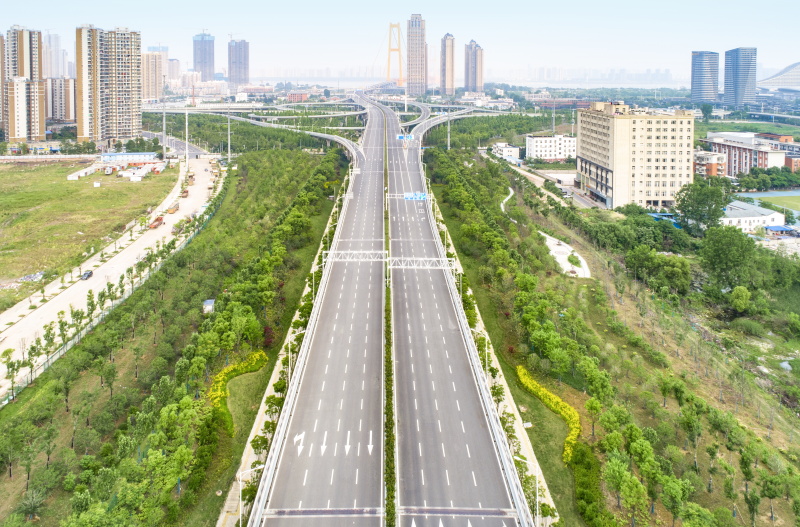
[(675, 493), (12, 369), (740, 298), (707, 109), (727, 255), (634, 497), (752, 499), (691, 424), (110, 373), (138, 351), (700, 205), (614, 474), (593, 407), (32, 502), (91, 304), (696, 516), (771, 487), (65, 375)]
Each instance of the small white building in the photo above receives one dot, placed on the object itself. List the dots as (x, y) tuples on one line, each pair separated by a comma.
[(129, 158), (749, 217), (505, 150), (550, 148)]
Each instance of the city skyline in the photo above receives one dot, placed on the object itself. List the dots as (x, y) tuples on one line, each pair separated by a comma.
[(332, 42)]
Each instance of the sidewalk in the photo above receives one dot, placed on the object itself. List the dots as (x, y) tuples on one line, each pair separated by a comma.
[(21, 325)]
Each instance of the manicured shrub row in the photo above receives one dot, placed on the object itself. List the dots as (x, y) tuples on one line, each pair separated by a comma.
[(218, 392), (556, 404), (390, 477)]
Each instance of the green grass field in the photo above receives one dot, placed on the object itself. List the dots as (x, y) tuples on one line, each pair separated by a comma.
[(790, 202), (47, 223), (700, 128)]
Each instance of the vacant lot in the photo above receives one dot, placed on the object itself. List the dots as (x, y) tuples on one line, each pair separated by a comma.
[(47, 222), (701, 128)]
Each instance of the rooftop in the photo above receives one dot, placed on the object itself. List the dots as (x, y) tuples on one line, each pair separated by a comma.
[(740, 209)]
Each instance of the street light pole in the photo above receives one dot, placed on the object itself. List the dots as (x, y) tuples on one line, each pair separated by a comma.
[(239, 479), (536, 479)]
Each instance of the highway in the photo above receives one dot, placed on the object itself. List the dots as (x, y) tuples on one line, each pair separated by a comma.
[(448, 466), (330, 468)]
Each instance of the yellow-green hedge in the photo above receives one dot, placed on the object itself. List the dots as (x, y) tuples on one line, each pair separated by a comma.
[(218, 392), (556, 404)]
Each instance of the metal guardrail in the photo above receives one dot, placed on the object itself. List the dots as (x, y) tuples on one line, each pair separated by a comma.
[(498, 434), (290, 401)]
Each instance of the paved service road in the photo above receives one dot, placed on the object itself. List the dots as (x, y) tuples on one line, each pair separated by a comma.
[(331, 467), (27, 328), (447, 464)]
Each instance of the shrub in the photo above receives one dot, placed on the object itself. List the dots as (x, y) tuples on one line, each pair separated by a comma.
[(557, 405), (748, 327)]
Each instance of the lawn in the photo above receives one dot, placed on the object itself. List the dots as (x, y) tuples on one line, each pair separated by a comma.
[(47, 222), (790, 202)]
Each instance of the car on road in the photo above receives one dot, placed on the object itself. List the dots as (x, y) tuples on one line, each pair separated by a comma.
[(87, 275)]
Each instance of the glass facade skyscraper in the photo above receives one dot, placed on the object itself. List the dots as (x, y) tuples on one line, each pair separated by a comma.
[(740, 77), (705, 76), (203, 47)]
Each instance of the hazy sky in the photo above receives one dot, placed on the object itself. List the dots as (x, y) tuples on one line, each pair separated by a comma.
[(314, 36)]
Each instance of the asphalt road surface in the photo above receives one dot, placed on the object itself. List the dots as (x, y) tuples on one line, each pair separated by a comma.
[(448, 468), (331, 467)]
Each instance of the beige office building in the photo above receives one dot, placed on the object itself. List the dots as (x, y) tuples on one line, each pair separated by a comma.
[(447, 79), (109, 84), (153, 71), (633, 155), (22, 92)]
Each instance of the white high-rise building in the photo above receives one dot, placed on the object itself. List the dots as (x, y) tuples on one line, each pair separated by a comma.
[(447, 79), (109, 84), (54, 59), (417, 62), (630, 155), (550, 148), (22, 96)]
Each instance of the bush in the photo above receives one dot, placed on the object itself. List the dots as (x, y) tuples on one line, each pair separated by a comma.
[(557, 405), (748, 327)]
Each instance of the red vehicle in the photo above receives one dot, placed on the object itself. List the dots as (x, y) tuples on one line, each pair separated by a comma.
[(157, 223)]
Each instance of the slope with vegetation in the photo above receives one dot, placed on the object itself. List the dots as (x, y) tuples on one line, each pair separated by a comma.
[(679, 419), (131, 426)]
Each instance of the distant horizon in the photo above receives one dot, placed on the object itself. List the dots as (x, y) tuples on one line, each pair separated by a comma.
[(331, 41)]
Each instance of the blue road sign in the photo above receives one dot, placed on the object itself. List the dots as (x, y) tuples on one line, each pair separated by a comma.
[(415, 196)]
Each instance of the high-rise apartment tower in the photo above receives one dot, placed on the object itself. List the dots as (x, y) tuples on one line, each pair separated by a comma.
[(417, 62), (705, 76), (153, 71), (447, 81), (204, 56), (23, 89), (473, 67), (238, 64), (109, 84), (740, 77)]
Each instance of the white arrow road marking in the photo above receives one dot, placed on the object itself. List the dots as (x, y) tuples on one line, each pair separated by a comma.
[(369, 446), (347, 445), (324, 446), (299, 437)]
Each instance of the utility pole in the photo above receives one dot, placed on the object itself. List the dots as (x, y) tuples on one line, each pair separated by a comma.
[(229, 136), (554, 117), (186, 151), (448, 130), (164, 122)]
